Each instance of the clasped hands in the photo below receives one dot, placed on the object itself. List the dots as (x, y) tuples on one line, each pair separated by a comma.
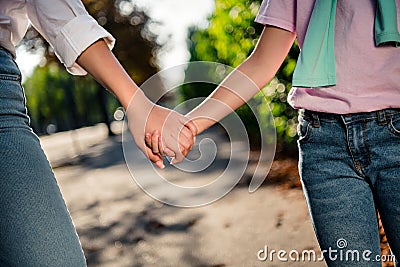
[(159, 131)]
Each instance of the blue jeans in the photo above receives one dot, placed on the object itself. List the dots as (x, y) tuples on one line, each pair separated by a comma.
[(350, 167), (35, 225)]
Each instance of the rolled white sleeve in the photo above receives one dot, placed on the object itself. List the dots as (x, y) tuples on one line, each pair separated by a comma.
[(69, 29)]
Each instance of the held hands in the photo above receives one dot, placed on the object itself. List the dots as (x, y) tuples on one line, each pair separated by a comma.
[(144, 117), (167, 127)]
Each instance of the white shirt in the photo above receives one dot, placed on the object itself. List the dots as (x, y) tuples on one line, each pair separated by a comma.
[(65, 24)]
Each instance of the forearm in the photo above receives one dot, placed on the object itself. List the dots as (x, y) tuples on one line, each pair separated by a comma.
[(143, 115), (246, 80), (101, 63), (236, 89)]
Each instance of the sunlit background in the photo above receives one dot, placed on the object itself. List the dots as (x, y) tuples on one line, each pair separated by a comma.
[(78, 122), (173, 19)]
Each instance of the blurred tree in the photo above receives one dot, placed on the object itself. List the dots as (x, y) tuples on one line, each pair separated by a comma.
[(229, 39), (136, 48)]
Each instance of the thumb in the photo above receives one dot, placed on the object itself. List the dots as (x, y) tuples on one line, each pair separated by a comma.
[(155, 158), (192, 127)]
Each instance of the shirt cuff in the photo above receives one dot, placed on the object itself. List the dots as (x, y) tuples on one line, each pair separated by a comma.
[(277, 22), (75, 37)]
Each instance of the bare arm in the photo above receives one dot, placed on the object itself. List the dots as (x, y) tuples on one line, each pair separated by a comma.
[(241, 84), (101, 63), (143, 115), (260, 67)]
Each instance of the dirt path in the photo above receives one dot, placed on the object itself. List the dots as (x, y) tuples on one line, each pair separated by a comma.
[(119, 225)]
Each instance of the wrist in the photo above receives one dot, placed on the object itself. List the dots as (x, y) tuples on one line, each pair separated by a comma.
[(201, 123), (138, 103)]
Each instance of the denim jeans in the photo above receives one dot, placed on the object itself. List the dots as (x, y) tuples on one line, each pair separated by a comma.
[(350, 167), (35, 225)]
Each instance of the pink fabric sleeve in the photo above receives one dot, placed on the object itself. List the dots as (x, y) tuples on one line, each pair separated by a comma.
[(278, 13)]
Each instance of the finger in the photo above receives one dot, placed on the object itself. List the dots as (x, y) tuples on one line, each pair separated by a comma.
[(169, 152), (184, 149), (148, 140), (185, 144), (192, 127), (155, 158), (154, 141), (186, 138), (175, 147), (179, 157), (160, 164), (186, 132), (161, 147)]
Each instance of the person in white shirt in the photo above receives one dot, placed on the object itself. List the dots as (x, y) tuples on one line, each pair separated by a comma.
[(35, 226)]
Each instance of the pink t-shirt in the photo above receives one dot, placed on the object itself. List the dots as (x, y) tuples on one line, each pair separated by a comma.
[(368, 77)]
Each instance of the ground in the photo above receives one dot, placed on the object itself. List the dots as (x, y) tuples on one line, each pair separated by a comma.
[(120, 225)]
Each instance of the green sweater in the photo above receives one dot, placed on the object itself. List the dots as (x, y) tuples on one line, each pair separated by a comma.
[(316, 66)]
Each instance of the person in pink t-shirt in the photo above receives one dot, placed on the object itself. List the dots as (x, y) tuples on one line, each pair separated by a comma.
[(349, 133)]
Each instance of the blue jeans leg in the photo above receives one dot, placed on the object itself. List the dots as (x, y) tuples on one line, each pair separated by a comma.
[(385, 173), (35, 225), (340, 162), (36, 229)]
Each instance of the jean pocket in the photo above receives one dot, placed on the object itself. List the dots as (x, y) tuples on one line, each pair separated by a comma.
[(394, 125), (304, 128)]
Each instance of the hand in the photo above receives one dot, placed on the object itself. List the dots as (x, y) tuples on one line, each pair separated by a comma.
[(156, 141), (143, 115), (176, 137), (177, 131), (172, 140), (158, 145)]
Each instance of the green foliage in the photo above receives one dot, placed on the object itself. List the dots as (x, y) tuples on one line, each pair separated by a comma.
[(231, 35), (230, 38), (54, 96), (136, 47)]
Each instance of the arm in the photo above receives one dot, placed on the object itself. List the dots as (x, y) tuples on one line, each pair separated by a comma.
[(246, 80), (242, 83), (143, 115), (101, 63)]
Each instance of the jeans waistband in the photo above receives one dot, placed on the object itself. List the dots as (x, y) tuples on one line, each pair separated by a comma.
[(5, 50), (382, 116)]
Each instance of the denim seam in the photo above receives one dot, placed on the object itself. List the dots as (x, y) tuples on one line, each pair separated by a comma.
[(394, 119), (360, 119), (366, 145), (393, 130), (10, 77), (362, 169), (328, 120), (355, 163), (307, 134)]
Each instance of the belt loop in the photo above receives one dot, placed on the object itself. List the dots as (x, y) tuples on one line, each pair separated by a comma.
[(315, 122), (381, 116)]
